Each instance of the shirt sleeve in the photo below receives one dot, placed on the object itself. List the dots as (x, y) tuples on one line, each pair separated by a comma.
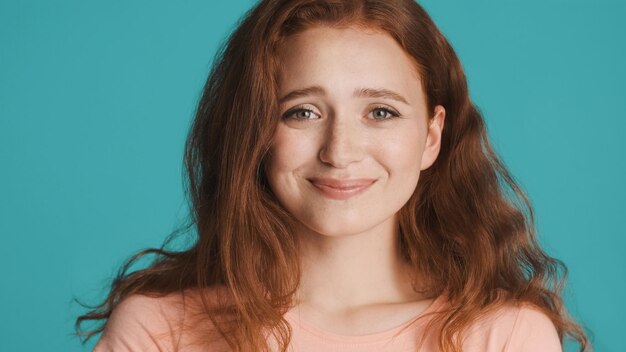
[(137, 324), (533, 331)]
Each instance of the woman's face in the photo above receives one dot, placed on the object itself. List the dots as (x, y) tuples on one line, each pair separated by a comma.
[(354, 131)]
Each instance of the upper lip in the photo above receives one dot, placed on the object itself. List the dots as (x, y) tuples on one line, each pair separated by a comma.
[(347, 183)]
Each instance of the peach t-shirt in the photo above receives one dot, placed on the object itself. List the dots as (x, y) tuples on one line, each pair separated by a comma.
[(146, 324)]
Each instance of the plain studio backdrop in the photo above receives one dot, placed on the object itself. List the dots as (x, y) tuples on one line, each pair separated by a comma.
[(96, 98)]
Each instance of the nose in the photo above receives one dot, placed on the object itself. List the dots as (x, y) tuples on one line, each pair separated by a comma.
[(343, 143)]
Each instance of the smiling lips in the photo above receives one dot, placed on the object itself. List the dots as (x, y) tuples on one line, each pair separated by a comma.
[(341, 189)]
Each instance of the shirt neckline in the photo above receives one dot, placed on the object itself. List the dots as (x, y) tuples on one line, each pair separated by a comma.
[(403, 328)]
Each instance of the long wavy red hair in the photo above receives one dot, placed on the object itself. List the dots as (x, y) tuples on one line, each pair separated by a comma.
[(468, 227)]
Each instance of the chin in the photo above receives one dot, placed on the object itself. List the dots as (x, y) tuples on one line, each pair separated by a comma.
[(335, 227)]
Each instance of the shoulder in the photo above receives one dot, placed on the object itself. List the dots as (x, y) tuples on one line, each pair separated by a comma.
[(533, 330), (141, 323), (514, 327), (148, 323)]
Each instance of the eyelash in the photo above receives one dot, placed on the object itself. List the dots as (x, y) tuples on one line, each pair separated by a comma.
[(392, 113)]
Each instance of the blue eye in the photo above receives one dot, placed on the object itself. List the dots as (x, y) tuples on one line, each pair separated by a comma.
[(300, 115), (383, 113)]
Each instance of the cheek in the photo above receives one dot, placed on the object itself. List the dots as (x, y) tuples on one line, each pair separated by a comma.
[(402, 152), (290, 151)]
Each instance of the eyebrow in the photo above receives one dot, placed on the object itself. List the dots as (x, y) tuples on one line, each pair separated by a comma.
[(359, 92)]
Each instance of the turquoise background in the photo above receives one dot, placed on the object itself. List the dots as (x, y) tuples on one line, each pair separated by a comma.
[(96, 98)]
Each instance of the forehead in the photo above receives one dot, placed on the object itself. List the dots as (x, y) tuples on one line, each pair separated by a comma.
[(350, 56)]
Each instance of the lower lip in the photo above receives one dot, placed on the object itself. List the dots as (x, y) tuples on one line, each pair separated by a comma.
[(341, 193)]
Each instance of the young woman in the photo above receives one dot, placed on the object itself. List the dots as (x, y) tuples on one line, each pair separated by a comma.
[(345, 198)]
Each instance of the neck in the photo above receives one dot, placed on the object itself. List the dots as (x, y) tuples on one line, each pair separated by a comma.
[(342, 273)]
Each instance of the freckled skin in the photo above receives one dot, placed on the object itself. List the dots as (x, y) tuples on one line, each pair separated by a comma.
[(343, 136)]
